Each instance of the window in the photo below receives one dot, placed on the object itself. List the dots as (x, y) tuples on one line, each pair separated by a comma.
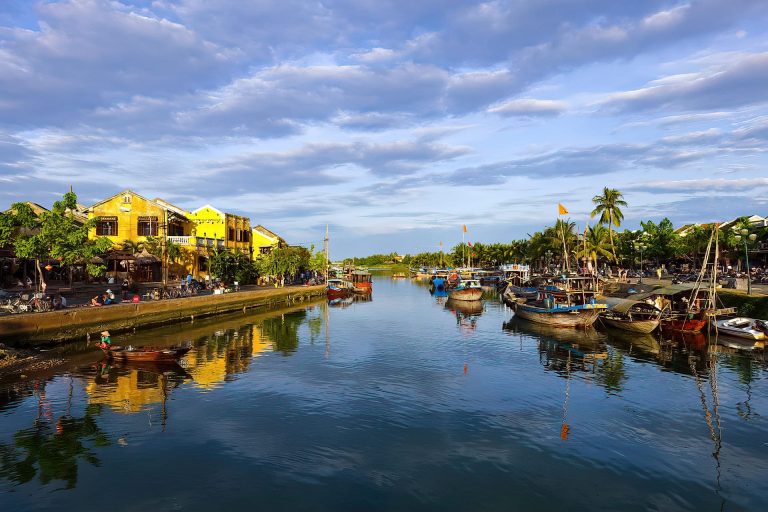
[(127, 198), (265, 250), (239, 235), (147, 226), (246, 236), (106, 226), (231, 237)]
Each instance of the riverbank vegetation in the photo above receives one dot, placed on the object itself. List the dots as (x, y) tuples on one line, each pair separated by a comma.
[(598, 244)]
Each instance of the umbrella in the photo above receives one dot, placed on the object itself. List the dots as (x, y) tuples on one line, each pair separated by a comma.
[(146, 258)]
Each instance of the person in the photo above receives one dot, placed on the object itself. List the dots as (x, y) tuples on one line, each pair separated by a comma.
[(126, 284), (97, 301), (106, 341), (29, 283), (108, 299)]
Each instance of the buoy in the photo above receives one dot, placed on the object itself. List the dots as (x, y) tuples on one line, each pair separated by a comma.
[(466, 367)]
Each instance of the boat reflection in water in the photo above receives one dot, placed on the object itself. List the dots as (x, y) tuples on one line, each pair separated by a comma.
[(440, 294), (466, 312), (345, 302)]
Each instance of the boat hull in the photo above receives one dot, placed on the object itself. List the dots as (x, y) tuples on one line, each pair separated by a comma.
[(363, 288), (554, 318), (685, 325), (147, 356), (748, 332), (466, 294), (643, 326), (337, 293)]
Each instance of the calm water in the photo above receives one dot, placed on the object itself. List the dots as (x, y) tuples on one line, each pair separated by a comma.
[(400, 403)]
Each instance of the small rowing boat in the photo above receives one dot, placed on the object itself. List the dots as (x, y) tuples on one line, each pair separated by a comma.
[(145, 354), (741, 327), (466, 290)]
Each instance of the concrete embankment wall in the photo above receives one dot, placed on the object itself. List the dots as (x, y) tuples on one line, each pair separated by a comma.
[(78, 323)]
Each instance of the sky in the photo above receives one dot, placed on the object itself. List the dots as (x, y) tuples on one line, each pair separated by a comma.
[(394, 122)]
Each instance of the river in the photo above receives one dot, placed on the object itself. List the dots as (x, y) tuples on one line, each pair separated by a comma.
[(402, 402)]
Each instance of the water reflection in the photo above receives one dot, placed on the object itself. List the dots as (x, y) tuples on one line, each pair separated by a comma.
[(131, 387), (53, 446), (466, 313)]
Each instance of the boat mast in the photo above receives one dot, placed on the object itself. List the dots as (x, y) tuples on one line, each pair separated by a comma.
[(326, 243)]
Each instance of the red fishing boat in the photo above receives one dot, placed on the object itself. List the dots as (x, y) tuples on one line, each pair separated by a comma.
[(361, 281), (338, 289)]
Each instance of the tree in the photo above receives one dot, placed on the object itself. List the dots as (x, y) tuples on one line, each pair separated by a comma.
[(284, 260), (56, 234), (232, 266), (661, 239), (596, 244), (607, 205)]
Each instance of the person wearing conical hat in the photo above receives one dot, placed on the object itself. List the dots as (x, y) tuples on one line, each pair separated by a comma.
[(106, 341)]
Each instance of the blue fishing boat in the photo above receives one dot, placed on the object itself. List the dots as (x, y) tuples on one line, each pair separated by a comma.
[(573, 304)]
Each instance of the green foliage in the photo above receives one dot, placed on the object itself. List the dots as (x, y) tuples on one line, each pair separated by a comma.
[(56, 234), (317, 261), (596, 244), (282, 260), (607, 206), (230, 266), (7, 229)]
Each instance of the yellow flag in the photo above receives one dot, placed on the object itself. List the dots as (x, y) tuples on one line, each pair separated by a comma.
[(465, 228), (561, 210)]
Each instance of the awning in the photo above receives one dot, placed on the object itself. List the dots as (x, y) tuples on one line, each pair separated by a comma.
[(672, 289), (625, 305)]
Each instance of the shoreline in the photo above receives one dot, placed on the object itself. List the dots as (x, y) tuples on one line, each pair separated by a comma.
[(21, 364), (39, 329)]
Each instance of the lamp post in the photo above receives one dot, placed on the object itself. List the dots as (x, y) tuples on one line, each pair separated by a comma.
[(640, 247), (744, 233), (549, 255)]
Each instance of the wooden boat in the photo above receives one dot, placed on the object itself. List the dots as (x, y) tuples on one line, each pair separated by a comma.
[(469, 290), (399, 275), (741, 327), (361, 281), (146, 354), (337, 289), (573, 305), (632, 315)]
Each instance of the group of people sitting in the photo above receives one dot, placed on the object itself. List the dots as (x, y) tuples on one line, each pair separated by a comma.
[(105, 299)]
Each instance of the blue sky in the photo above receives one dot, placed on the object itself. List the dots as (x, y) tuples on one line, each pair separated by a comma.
[(393, 121)]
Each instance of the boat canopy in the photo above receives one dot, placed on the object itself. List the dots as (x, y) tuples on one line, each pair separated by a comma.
[(672, 289), (622, 307)]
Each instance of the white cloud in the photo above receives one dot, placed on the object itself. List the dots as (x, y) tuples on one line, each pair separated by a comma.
[(529, 107)]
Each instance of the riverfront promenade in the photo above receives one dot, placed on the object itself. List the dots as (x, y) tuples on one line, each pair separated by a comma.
[(82, 322)]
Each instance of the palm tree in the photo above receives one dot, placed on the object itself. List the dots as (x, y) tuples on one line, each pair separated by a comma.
[(607, 205), (596, 244)]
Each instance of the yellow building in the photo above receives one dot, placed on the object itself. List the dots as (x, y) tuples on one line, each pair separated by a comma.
[(233, 231), (130, 216), (264, 241)]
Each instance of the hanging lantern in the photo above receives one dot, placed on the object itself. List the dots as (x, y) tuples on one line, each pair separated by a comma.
[(48, 267)]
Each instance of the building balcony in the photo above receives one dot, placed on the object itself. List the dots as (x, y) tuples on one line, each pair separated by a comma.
[(181, 240), (192, 241)]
